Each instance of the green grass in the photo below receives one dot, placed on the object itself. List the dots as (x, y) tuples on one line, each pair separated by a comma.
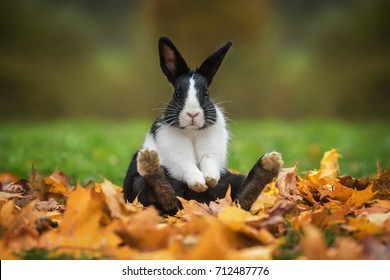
[(96, 149)]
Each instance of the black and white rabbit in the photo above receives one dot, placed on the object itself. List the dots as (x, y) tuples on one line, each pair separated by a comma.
[(184, 153)]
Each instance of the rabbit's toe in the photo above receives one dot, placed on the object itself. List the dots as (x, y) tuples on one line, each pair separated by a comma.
[(198, 187), (211, 182), (147, 162), (271, 161)]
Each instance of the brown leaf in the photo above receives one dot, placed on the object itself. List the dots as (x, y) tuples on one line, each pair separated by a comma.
[(375, 250), (20, 191), (58, 183), (288, 192), (219, 204), (216, 242), (346, 249), (287, 183), (312, 243), (5, 196), (50, 205), (18, 228), (7, 178), (115, 202), (382, 185), (144, 231), (192, 208), (355, 183)]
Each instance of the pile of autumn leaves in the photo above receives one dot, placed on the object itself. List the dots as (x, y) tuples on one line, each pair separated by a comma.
[(319, 216)]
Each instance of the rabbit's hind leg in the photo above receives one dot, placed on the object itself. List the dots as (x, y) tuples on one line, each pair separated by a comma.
[(148, 165), (262, 173)]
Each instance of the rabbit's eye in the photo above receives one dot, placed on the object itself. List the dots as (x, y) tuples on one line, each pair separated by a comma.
[(177, 94), (206, 94)]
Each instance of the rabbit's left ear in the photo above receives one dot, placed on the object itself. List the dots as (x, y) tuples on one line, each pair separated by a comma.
[(171, 61), (210, 66)]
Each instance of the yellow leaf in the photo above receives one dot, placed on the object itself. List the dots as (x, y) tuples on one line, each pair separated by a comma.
[(253, 253), (215, 242), (58, 183), (330, 161), (359, 198), (192, 208), (115, 202), (361, 227), (81, 228), (6, 253), (233, 214), (145, 232)]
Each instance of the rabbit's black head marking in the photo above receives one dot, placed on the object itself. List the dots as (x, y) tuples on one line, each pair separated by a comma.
[(190, 106)]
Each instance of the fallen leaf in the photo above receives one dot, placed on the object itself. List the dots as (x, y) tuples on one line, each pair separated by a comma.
[(50, 205), (382, 185), (359, 198), (330, 161), (82, 227), (144, 231), (7, 178), (375, 250), (292, 217), (287, 183), (58, 183), (312, 243), (115, 202), (345, 249)]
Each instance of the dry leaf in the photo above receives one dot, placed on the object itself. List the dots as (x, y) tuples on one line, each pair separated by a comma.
[(82, 227), (330, 161), (94, 221), (382, 185), (312, 244)]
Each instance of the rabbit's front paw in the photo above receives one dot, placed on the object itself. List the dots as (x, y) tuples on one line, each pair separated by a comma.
[(147, 162), (196, 182), (211, 182), (210, 172), (198, 187)]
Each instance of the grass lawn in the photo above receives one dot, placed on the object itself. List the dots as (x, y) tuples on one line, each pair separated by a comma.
[(96, 149)]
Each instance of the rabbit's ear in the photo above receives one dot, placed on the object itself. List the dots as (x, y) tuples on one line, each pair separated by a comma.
[(172, 63), (210, 66)]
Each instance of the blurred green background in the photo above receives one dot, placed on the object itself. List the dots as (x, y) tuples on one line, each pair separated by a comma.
[(299, 58), (303, 76)]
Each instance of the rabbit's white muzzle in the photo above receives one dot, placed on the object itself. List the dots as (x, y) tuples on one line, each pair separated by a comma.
[(192, 115)]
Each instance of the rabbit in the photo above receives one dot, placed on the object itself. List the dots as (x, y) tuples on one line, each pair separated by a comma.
[(184, 154)]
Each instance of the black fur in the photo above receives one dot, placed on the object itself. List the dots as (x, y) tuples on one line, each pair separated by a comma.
[(244, 189), (158, 188), (176, 104)]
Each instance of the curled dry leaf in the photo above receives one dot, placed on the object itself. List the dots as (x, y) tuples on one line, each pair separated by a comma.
[(330, 161), (58, 183), (115, 202)]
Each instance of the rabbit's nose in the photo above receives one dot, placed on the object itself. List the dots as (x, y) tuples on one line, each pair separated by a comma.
[(192, 115)]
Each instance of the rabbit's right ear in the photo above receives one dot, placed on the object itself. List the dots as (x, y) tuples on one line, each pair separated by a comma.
[(171, 61)]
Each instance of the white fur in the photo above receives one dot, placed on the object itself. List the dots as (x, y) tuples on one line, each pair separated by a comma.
[(192, 107), (191, 155)]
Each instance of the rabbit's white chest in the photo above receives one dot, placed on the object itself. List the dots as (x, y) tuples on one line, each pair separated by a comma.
[(181, 151)]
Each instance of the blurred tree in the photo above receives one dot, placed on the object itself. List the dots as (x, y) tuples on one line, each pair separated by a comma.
[(99, 58)]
